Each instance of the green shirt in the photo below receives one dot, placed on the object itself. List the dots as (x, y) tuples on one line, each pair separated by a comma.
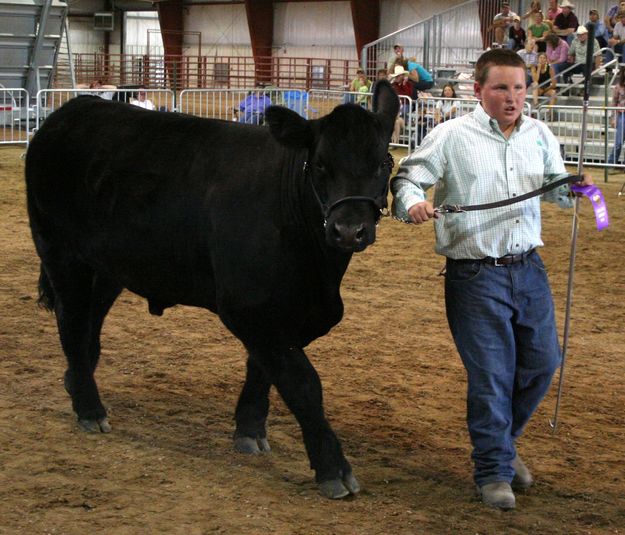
[(537, 30)]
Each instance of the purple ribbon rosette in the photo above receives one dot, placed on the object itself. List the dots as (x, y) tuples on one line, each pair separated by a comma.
[(598, 203)]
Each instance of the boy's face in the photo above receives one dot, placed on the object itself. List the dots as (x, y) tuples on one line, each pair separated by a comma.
[(503, 94)]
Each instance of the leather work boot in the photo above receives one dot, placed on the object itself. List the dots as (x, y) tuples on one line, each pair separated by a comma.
[(498, 494), (523, 479)]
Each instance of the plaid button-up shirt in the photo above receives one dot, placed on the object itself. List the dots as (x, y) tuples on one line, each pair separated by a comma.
[(471, 162)]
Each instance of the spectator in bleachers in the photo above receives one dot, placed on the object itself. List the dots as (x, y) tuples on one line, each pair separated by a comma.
[(403, 87), (516, 35), (530, 58), (538, 31), (566, 23), (251, 109), (557, 53), (543, 80), (360, 81), (421, 79), (382, 74), (618, 35), (98, 86), (141, 100), (552, 11), (396, 57), (362, 99), (502, 22), (446, 109), (356, 85), (601, 32), (618, 119), (532, 12), (578, 51), (610, 18)]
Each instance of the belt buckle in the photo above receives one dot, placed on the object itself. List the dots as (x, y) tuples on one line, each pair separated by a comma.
[(497, 263)]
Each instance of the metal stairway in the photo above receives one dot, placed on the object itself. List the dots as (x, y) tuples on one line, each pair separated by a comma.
[(31, 32)]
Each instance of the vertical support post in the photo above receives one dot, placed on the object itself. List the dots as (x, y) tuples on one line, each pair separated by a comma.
[(606, 120), (32, 79)]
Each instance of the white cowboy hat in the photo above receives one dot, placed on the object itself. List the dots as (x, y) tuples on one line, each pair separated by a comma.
[(566, 3), (581, 29), (398, 71)]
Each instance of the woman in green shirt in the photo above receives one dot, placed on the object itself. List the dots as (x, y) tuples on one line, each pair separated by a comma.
[(538, 31)]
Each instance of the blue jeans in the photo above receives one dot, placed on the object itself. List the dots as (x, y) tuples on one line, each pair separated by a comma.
[(502, 321), (618, 139)]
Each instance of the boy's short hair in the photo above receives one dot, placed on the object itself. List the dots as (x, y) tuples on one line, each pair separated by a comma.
[(501, 57)]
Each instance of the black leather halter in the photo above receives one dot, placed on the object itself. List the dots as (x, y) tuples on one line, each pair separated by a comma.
[(380, 202)]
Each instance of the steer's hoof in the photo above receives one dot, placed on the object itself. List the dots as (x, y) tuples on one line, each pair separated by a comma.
[(95, 426), (335, 489), (251, 445), (351, 483)]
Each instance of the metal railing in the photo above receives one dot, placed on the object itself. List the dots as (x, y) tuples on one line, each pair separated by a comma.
[(14, 116), (564, 122), (415, 120), (213, 72), (244, 106), (448, 40), (48, 100)]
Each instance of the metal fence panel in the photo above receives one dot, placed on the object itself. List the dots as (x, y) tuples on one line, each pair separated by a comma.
[(48, 100), (244, 106), (565, 121), (14, 116), (415, 120)]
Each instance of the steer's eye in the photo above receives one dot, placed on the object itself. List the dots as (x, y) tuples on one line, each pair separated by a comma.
[(320, 168)]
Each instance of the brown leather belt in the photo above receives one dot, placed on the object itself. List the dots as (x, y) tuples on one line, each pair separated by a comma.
[(507, 260)]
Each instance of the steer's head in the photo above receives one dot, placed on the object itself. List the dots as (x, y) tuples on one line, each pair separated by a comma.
[(347, 170)]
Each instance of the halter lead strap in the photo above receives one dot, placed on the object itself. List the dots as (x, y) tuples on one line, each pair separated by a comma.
[(455, 208)]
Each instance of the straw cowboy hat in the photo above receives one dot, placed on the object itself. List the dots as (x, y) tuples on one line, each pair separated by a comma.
[(398, 71), (566, 3), (581, 29)]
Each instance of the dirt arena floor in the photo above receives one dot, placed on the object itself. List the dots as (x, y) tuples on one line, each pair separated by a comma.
[(394, 391)]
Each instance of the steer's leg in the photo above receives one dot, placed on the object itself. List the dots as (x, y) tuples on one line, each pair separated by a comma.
[(250, 435), (81, 301), (298, 383)]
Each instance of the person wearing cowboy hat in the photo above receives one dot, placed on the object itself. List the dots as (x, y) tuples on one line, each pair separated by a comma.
[(578, 50), (403, 87), (566, 23)]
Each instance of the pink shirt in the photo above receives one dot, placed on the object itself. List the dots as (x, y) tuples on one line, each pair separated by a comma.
[(558, 54), (553, 13)]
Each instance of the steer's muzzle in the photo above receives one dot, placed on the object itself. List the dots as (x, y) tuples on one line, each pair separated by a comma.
[(352, 228)]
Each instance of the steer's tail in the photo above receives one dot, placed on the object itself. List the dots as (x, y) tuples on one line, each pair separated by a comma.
[(46, 292)]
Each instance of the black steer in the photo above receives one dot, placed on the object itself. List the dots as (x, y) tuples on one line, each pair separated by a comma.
[(255, 224)]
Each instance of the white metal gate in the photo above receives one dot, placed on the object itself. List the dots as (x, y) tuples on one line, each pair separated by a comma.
[(242, 105), (48, 100), (14, 116)]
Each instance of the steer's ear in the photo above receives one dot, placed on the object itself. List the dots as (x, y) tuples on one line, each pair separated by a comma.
[(289, 128), (386, 101)]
